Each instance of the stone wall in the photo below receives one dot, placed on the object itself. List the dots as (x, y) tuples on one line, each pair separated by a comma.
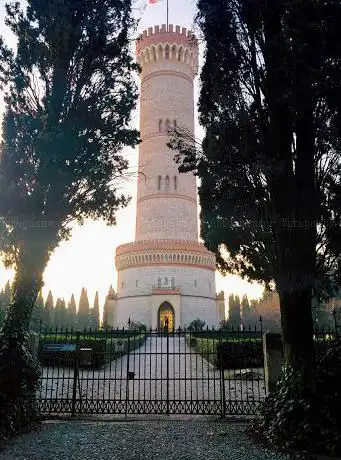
[(197, 287)]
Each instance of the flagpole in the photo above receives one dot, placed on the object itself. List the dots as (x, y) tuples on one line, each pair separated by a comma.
[(167, 15)]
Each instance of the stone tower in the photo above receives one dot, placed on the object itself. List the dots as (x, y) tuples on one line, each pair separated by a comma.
[(166, 275)]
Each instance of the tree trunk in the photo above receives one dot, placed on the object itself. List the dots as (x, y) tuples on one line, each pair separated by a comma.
[(297, 331), (28, 282), (19, 372)]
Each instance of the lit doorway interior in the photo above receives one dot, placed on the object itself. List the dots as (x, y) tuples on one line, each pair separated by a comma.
[(166, 315)]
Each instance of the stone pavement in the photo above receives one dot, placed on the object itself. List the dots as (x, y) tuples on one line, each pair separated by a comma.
[(190, 439)]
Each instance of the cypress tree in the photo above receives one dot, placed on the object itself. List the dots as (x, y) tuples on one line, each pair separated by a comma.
[(48, 316), (72, 313), (69, 94), (83, 314), (270, 160), (94, 313), (38, 313)]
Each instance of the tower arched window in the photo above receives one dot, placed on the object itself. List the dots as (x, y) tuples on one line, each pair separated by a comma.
[(175, 124), (166, 281), (159, 283), (167, 125), (159, 182), (160, 125), (160, 52), (173, 283), (153, 53), (174, 52), (167, 52), (167, 184), (175, 183)]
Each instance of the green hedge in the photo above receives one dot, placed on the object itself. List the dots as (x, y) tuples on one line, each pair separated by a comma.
[(229, 354), (102, 350)]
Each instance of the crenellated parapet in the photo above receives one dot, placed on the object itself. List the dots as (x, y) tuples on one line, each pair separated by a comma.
[(177, 45)]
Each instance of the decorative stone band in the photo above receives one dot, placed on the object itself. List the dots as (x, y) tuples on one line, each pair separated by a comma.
[(160, 291), (164, 252), (166, 73), (156, 196)]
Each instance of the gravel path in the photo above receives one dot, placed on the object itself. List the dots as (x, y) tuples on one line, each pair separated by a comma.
[(124, 440), (158, 361)]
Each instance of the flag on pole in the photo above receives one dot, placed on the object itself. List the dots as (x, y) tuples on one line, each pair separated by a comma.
[(152, 2)]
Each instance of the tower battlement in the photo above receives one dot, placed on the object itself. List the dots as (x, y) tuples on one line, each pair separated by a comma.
[(175, 44), (152, 31)]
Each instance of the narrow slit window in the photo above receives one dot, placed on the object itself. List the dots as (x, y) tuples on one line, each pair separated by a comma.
[(159, 183), (175, 183), (167, 183)]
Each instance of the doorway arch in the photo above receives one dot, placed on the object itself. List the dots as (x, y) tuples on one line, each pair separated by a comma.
[(166, 314)]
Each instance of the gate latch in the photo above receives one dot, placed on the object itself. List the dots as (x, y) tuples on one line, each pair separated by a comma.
[(131, 375)]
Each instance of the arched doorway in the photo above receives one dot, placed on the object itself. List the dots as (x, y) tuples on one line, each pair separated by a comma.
[(166, 315)]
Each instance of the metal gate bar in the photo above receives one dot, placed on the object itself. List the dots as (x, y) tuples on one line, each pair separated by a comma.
[(151, 372)]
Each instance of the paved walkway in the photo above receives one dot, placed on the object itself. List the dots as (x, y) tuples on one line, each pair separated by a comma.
[(164, 369), (124, 440)]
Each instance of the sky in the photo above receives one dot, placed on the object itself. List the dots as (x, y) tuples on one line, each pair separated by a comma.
[(87, 259)]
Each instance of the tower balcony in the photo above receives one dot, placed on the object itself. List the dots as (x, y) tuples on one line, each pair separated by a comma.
[(165, 253)]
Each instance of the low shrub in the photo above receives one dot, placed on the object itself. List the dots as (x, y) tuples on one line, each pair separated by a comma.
[(293, 418), (239, 355), (93, 353), (193, 342), (229, 354)]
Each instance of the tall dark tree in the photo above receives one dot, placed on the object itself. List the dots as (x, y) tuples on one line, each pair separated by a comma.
[(234, 311), (60, 314), (72, 313), (270, 161), (94, 313), (83, 313), (108, 312), (38, 313), (5, 296), (69, 94), (245, 305), (48, 314)]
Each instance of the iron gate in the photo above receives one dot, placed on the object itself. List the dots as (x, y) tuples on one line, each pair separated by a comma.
[(151, 372)]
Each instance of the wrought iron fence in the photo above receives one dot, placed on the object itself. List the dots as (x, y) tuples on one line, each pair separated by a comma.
[(151, 372)]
